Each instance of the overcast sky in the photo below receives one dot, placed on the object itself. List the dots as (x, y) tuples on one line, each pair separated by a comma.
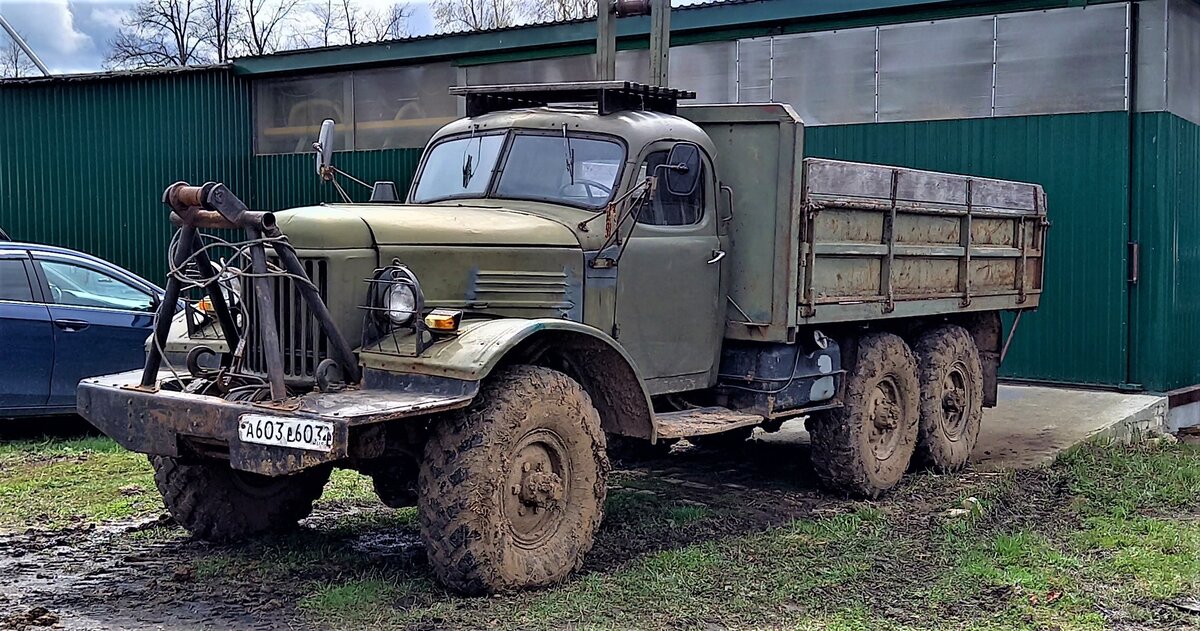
[(73, 35)]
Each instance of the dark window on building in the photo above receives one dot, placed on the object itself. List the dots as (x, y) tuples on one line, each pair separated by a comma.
[(666, 209), (14, 282)]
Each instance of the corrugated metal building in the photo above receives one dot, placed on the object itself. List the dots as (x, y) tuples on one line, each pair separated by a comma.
[(1097, 101)]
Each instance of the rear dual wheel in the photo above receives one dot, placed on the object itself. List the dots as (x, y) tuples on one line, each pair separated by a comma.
[(951, 398), (901, 407)]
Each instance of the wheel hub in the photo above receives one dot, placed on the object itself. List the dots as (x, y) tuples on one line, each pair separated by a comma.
[(956, 400), (538, 484), (884, 416), (540, 489)]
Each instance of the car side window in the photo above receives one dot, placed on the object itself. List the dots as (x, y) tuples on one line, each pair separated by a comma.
[(79, 286), (14, 281), (665, 209)]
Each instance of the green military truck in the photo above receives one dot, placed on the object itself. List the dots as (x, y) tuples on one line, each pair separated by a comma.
[(580, 271)]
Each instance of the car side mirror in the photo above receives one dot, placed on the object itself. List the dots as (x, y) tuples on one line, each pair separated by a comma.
[(682, 170), (324, 148)]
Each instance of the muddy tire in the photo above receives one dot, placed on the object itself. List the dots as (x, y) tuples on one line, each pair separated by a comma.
[(511, 491), (396, 482), (951, 398), (725, 440), (215, 502), (865, 447), (627, 450)]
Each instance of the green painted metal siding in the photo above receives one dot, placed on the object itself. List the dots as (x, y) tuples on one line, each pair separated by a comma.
[(1079, 333), (286, 181), (1166, 311), (85, 163)]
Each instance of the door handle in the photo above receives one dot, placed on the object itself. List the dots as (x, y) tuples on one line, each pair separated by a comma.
[(716, 256), (71, 326)]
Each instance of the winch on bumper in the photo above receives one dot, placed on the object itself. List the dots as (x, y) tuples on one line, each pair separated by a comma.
[(159, 421)]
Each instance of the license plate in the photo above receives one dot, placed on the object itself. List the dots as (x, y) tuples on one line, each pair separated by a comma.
[(299, 433)]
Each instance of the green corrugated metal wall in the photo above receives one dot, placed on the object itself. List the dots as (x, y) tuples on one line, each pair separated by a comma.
[(1166, 312), (85, 163), (1079, 333), (286, 181)]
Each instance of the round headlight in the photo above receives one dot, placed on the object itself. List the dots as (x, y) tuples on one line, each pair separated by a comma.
[(400, 303)]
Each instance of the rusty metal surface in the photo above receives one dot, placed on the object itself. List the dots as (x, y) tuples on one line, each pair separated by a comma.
[(703, 421), (153, 421)]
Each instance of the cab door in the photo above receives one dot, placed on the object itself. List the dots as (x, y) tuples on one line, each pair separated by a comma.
[(670, 300)]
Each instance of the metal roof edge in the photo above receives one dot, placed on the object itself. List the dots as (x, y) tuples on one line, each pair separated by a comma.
[(115, 74)]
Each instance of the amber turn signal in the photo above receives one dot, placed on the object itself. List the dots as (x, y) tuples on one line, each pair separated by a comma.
[(443, 320)]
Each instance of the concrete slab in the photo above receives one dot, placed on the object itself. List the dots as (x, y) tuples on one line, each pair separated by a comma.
[(1031, 425)]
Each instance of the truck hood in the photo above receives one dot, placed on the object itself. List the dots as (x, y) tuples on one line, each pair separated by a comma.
[(343, 226)]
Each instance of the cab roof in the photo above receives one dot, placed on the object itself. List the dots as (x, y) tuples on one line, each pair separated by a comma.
[(636, 128)]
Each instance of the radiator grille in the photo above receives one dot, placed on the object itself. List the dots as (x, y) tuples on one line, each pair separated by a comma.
[(300, 339)]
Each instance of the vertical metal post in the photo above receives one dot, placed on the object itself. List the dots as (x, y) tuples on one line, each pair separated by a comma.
[(660, 42), (166, 308), (606, 42), (965, 241), (889, 239), (265, 307)]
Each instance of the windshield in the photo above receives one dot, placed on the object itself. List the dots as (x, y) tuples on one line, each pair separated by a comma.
[(459, 168), (571, 170)]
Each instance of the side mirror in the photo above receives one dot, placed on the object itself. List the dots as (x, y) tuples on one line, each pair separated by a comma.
[(324, 148), (682, 170)]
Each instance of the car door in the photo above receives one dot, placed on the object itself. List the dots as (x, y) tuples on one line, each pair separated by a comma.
[(670, 310), (25, 333), (101, 319)]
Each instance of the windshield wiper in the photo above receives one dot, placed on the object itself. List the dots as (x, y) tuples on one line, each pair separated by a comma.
[(468, 170), (570, 155)]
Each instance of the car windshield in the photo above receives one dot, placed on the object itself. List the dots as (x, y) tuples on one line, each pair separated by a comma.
[(571, 170)]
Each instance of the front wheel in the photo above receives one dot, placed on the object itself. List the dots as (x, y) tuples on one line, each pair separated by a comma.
[(511, 492), (216, 502), (864, 447)]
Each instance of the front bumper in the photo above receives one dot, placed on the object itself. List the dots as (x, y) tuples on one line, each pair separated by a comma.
[(156, 422)]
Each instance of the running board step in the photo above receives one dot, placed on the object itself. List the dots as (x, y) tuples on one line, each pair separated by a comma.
[(703, 421)]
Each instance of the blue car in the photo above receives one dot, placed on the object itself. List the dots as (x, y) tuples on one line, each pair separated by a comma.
[(64, 316)]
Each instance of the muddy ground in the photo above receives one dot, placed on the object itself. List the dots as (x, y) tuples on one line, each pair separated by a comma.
[(150, 575)]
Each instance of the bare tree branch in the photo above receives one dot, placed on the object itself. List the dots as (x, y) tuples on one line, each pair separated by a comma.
[(560, 10), (220, 20), (13, 61), (159, 33), (479, 15), (390, 22), (265, 22)]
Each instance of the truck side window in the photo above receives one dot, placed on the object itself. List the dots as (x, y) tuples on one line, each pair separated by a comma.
[(666, 209)]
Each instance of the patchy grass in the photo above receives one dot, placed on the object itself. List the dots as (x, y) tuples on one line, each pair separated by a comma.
[(1107, 538), (56, 483)]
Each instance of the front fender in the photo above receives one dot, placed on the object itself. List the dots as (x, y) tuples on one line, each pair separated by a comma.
[(600, 363)]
